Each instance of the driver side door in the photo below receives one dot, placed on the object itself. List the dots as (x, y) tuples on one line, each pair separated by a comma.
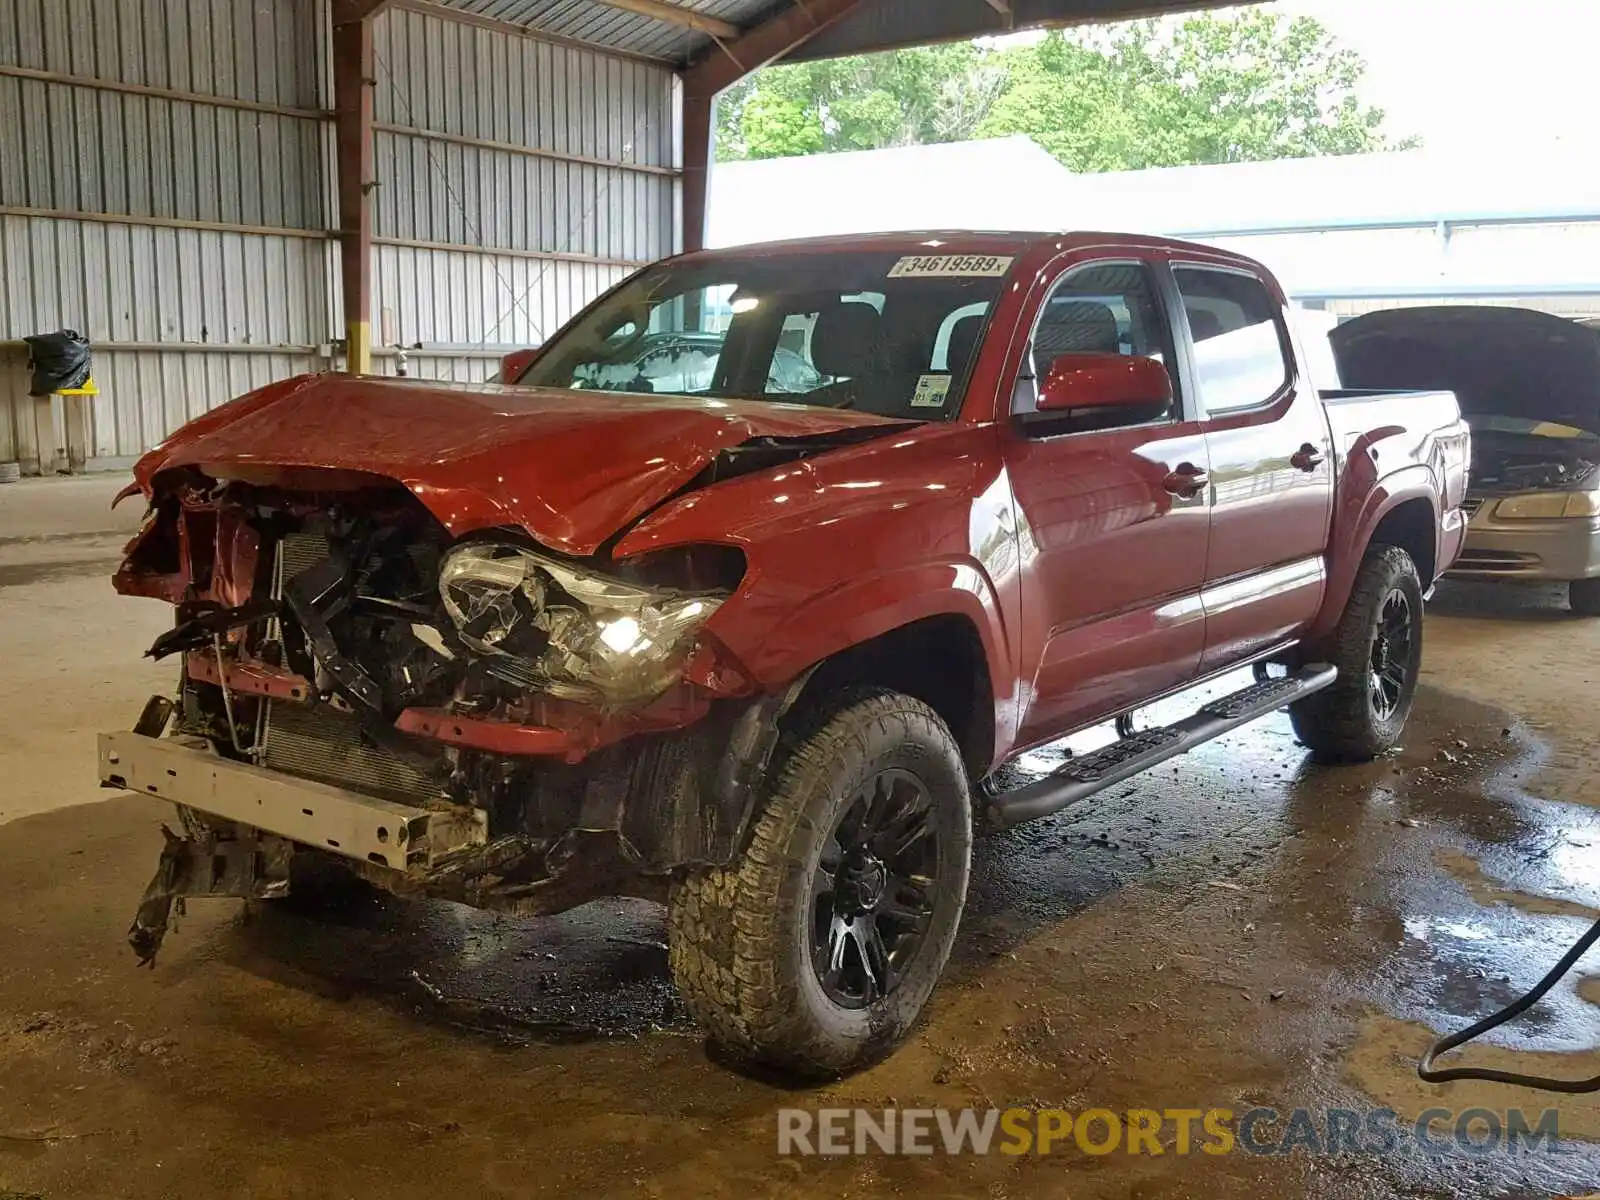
[(1115, 517)]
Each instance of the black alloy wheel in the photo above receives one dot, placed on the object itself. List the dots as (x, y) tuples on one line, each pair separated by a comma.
[(1377, 648), (872, 892), (1393, 658)]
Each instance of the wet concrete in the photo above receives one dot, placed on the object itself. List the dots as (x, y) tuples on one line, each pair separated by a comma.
[(1237, 929)]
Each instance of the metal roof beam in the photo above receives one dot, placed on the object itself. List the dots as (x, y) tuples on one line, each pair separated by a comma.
[(724, 65), (896, 24), (765, 43), (674, 14)]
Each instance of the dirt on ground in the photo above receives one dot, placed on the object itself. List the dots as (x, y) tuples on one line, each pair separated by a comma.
[(1239, 930)]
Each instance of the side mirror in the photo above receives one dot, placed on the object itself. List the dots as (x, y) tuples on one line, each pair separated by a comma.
[(514, 364), (1077, 381)]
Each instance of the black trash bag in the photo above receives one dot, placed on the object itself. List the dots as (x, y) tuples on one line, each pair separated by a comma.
[(59, 360)]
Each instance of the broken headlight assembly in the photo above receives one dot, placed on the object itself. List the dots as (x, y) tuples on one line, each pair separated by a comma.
[(1549, 506), (577, 634)]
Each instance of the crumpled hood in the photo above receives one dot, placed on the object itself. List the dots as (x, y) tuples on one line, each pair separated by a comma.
[(1503, 362), (572, 468)]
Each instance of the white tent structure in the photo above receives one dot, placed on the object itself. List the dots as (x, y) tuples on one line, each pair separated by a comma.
[(1002, 183), (1353, 231)]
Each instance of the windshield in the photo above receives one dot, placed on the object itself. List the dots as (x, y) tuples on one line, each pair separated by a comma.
[(885, 333)]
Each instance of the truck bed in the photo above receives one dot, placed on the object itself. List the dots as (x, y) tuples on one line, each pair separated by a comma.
[(1412, 417)]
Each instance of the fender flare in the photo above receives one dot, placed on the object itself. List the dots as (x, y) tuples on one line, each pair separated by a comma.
[(1414, 482)]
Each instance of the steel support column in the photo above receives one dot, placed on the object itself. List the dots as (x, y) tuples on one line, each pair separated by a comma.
[(724, 65), (353, 82), (699, 113)]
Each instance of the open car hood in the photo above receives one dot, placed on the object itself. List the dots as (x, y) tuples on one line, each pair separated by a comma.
[(572, 468), (1500, 362)]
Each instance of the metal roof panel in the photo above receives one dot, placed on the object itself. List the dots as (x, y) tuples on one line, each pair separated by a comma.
[(605, 25)]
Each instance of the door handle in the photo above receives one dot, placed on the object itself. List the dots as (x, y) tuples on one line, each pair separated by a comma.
[(1186, 481), (1307, 458)]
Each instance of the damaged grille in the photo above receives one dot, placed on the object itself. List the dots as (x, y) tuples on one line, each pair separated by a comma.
[(324, 744)]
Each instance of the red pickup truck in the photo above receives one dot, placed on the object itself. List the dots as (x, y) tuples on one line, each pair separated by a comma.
[(739, 591)]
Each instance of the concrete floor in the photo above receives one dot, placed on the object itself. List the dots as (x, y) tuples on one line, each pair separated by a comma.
[(1238, 929)]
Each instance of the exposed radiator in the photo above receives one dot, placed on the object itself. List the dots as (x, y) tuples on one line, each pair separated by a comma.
[(322, 743), (297, 551)]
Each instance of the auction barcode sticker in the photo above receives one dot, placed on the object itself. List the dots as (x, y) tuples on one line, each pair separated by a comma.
[(951, 266)]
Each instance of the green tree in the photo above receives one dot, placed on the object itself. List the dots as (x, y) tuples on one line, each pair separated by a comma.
[(1213, 88), (908, 97)]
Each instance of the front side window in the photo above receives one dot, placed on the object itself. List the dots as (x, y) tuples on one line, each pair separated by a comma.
[(1106, 308), (839, 330), (1240, 348)]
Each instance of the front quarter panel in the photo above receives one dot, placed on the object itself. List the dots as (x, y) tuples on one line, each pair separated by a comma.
[(856, 543)]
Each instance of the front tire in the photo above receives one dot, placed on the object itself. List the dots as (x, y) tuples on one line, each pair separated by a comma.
[(1584, 597), (817, 948), (1378, 650)]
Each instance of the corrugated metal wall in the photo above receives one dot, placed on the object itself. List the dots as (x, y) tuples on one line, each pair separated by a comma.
[(166, 187), (518, 178)]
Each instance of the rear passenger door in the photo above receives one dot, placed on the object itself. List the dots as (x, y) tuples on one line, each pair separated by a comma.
[(1269, 443)]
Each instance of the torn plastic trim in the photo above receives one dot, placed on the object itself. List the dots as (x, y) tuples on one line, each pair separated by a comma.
[(199, 621), (764, 453), (751, 747)]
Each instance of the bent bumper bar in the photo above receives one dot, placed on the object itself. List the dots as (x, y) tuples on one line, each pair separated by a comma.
[(188, 771)]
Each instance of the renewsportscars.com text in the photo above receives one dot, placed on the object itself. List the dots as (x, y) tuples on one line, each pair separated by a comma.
[(1376, 1132)]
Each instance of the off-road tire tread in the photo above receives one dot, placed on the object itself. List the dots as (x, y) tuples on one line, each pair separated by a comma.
[(1336, 723), (724, 938)]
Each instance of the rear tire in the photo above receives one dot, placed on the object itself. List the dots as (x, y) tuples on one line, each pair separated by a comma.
[(1584, 597), (816, 949), (1378, 650)]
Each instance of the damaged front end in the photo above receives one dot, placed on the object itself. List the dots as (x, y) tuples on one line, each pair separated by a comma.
[(476, 719)]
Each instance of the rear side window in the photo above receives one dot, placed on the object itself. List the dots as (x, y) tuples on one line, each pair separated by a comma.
[(1240, 349)]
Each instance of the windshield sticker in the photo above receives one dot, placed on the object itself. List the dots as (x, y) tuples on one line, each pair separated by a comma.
[(951, 266), (932, 390)]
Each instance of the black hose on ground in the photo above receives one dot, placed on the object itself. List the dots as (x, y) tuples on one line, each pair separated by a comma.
[(1571, 1087)]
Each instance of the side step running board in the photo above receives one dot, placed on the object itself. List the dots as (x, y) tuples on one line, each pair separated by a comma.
[(1079, 778)]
